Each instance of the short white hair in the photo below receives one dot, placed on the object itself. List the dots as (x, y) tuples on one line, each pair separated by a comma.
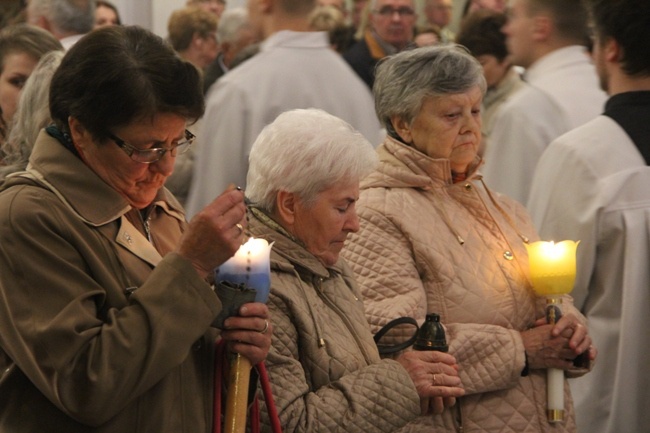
[(305, 152), (76, 16), (231, 23)]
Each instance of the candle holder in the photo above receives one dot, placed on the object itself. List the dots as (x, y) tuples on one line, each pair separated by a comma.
[(249, 269), (553, 273)]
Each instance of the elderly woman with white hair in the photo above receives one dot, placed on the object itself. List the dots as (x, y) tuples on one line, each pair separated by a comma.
[(324, 367)]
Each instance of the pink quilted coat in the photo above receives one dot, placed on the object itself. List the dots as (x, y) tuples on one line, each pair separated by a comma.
[(429, 245)]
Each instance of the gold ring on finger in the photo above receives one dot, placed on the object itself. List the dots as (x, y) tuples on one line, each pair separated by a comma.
[(266, 327)]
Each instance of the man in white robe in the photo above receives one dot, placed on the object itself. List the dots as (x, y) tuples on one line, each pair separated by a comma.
[(547, 37), (295, 68), (592, 184)]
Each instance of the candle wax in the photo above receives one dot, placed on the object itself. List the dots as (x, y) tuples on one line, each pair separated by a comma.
[(260, 282), (249, 266)]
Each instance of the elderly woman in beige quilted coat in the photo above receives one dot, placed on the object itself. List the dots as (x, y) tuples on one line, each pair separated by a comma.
[(434, 238), (324, 367)]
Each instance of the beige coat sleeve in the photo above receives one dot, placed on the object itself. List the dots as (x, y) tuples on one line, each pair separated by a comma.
[(376, 398), (382, 260)]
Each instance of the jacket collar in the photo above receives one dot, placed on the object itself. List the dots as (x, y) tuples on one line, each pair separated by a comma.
[(289, 38), (556, 60), (402, 166), (378, 48), (90, 198), (74, 182), (511, 81), (287, 252)]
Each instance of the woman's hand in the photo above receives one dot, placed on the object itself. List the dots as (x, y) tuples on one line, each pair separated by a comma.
[(435, 376), (249, 333), (215, 233), (556, 346)]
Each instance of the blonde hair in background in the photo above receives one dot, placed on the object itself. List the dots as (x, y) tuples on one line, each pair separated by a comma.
[(185, 23)]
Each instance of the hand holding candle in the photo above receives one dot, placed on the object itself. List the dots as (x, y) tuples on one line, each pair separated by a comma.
[(248, 269), (213, 235), (553, 273)]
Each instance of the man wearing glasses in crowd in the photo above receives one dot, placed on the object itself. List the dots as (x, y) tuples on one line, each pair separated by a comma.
[(390, 30)]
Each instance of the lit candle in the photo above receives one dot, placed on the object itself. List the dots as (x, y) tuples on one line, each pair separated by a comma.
[(251, 267), (553, 273), (552, 267)]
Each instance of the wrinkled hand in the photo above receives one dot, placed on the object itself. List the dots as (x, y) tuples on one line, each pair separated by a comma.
[(435, 376), (212, 236), (243, 333), (556, 346)]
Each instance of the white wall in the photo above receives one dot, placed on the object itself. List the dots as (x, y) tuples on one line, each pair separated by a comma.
[(150, 14), (153, 14), (161, 11)]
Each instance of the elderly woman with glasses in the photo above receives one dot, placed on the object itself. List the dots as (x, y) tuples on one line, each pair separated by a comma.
[(106, 319), (435, 239), (324, 366)]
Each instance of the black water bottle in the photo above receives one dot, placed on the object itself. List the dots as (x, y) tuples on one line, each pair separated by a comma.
[(431, 335)]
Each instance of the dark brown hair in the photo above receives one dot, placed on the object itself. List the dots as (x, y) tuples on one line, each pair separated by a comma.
[(117, 75), (481, 34), (110, 6), (627, 22)]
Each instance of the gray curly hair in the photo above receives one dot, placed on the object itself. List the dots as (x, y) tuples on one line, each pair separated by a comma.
[(404, 80)]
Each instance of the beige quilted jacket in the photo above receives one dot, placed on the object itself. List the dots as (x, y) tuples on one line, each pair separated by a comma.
[(325, 371), (429, 245)]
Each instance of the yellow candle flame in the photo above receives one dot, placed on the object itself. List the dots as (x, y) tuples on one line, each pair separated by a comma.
[(552, 266)]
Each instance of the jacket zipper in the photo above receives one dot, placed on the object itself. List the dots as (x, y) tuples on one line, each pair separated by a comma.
[(146, 226), (147, 229), (343, 318)]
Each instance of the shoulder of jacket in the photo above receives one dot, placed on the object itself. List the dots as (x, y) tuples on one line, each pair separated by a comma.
[(26, 189)]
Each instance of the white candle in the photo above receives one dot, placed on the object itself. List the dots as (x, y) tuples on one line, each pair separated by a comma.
[(249, 266), (555, 393)]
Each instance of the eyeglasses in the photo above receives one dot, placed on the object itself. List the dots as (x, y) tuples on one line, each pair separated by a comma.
[(148, 156), (388, 11)]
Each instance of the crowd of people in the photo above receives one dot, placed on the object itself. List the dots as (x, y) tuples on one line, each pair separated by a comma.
[(399, 164)]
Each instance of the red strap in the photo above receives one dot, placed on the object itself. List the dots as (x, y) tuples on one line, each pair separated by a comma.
[(220, 361), (254, 415), (268, 398)]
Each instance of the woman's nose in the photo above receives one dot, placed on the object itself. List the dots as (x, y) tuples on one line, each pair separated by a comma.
[(352, 223), (165, 165), (472, 123)]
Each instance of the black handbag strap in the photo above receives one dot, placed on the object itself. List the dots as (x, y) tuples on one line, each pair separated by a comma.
[(385, 349)]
